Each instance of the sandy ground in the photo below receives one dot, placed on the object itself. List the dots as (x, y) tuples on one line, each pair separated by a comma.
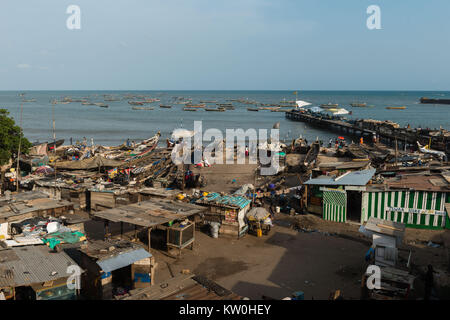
[(220, 177), (319, 258), (275, 265)]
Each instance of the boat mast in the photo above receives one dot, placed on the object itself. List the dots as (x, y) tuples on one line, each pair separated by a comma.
[(18, 151)]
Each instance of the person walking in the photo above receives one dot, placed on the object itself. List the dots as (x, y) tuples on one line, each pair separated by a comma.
[(429, 282)]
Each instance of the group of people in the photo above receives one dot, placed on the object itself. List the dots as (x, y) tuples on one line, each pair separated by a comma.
[(130, 144), (338, 143), (82, 144)]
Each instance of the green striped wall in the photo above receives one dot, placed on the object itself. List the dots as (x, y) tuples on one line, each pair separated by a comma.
[(334, 205), (378, 205)]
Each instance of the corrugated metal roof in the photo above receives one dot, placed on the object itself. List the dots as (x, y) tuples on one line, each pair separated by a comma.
[(24, 196), (227, 200), (183, 287), (123, 259), (6, 277), (34, 264), (355, 178), (151, 212)]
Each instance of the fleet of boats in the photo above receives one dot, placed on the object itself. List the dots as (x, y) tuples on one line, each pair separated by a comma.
[(138, 102)]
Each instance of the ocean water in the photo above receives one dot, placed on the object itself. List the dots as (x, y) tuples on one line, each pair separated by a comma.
[(113, 125)]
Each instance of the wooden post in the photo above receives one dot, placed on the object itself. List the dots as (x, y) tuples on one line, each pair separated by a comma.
[(305, 198), (121, 230), (2, 178), (149, 239), (106, 230), (135, 232), (396, 151)]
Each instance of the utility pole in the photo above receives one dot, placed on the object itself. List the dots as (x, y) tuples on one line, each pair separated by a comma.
[(18, 151), (54, 140)]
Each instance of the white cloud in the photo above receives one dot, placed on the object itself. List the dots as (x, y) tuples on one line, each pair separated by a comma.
[(23, 66)]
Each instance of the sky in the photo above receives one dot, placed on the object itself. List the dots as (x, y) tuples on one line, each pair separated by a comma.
[(224, 45)]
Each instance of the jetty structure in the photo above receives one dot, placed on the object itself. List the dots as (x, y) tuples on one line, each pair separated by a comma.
[(388, 132)]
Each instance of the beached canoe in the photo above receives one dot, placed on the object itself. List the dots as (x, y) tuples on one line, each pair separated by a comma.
[(52, 144), (214, 109), (167, 107), (189, 109), (252, 109)]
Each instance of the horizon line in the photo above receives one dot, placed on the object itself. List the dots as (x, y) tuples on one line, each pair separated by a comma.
[(256, 90)]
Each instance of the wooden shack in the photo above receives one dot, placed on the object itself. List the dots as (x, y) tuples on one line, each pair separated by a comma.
[(33, 204), (77, 193), (36, 273), (114, 266), (229, 211), (169, 217), (112, 198)]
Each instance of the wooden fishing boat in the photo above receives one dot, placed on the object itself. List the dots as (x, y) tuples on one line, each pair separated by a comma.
[(299, 145), (189, 109), (150, 145), (165, 106), (196, 105), (358, 104), (136, 103), (356, 152), (396, 108), (52, 144), (101, 105), (329, 105), (434, 101), (28, 100), (142, 108), (312, 155), (214, 109), (252, 109)]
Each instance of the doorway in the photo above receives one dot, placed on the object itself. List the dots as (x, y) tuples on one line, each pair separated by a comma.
[(354, 202)]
